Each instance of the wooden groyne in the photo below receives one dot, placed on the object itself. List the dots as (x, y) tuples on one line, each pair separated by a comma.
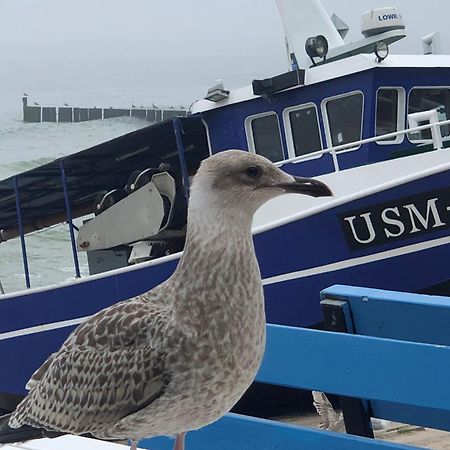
[(37, 113)]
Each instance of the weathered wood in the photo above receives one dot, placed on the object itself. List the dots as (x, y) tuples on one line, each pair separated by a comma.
[(65, 114), (109, 113), (95, 113), (32, 114), (48, 114)]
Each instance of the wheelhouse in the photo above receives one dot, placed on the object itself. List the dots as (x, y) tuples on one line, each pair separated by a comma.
[(335, 108)]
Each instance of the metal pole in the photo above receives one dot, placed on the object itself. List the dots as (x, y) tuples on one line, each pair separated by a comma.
[(69, 220), (180, 148), (22, 236)]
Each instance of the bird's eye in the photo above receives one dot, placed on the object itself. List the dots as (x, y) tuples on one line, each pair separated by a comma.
[(253, 172)]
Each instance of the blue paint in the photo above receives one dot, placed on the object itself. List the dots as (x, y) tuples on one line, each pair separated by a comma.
[(404, 317), (294, 302), (69, 220), (21, 233), (226, 124), (235, 432), (396, 315), (180, 149), (357, 366)]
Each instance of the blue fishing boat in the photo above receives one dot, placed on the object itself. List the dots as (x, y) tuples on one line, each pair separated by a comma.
[(375, 127)]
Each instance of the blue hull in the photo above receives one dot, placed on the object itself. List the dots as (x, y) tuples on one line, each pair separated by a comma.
[(297, 260)]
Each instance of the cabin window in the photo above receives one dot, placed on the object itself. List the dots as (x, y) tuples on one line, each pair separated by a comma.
[(344, 118), (425, 99), (263, 136), (389, 113), (302, 130)]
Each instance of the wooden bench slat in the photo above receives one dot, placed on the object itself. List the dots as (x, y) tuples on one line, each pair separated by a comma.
[(365, 367), (396, 315), (236, 432), (414, 415)]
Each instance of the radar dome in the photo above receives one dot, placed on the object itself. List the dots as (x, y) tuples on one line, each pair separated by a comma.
[(381, 20)]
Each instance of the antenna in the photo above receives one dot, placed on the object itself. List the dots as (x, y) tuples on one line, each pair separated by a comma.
[(431, 44)]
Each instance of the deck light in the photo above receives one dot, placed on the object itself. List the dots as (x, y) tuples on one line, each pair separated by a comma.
[(217, 92), (381, 50), (316, 46)]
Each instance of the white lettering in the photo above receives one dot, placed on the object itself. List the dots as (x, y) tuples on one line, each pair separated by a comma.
[(414, 213), (390, 221), (369, 224)]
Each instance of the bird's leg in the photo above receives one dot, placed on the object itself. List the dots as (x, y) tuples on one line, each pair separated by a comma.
[(133, 445), (179, 442)]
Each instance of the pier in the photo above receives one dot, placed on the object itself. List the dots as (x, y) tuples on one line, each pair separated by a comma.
[(37, 113)]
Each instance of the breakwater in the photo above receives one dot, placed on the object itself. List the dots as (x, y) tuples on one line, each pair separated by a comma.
[(38, 113)]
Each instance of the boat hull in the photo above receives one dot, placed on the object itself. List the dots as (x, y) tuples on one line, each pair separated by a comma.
[(297, 259)]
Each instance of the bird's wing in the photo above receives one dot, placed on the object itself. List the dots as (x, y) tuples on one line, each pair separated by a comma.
[(89, 389), (331, 420), (37, 375), (138, 320), (132, 321), (110, 366)]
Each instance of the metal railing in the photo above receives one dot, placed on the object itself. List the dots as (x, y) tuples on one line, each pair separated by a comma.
[(436, 139)]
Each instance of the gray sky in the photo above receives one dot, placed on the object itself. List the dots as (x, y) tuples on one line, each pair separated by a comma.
[(109, 28), (236, 40)]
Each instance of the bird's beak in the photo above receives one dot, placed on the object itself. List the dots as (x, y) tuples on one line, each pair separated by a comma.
[(307, 186)]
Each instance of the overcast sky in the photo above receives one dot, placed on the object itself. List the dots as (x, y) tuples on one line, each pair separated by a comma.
[(54, 28), (232, 39)]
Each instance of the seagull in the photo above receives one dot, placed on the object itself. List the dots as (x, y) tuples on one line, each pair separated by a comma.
[(154, 106), (179, 356), (24, 94), (36, 104), (66, 104), (333, 420)]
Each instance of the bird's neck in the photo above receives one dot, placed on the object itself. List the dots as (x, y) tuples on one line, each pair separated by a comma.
[(216, 231), (220, 262)]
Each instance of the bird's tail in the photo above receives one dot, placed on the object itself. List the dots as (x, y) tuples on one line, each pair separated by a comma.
[(10, 435)]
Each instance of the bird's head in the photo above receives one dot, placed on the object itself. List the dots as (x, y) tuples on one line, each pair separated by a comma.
[(236, 179)]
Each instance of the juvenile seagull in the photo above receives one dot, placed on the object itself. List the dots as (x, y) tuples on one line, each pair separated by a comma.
[(181, 355)]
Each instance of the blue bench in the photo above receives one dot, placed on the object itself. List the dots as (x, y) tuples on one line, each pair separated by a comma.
[(418, 319), (398, 363)]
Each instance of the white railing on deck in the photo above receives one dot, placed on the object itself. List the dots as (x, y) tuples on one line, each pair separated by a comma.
[(435, 134)]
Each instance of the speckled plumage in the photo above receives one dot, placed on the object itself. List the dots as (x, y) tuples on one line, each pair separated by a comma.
[(181, 355)]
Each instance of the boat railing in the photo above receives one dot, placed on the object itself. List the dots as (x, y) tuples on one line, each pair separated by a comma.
[(67, 217), (436, 139)]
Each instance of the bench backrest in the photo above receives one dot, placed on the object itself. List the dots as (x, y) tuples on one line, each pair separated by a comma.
[(423, 321)]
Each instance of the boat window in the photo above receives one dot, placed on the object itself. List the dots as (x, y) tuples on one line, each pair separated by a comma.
[(424, 99), (389, 113), (344, 117), (303, 131), (265, 136)]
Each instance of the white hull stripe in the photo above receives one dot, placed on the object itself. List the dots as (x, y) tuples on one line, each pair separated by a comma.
[(41, 328), (353, 262)]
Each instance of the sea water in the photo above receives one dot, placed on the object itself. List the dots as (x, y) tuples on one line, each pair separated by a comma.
[(117, 82)]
